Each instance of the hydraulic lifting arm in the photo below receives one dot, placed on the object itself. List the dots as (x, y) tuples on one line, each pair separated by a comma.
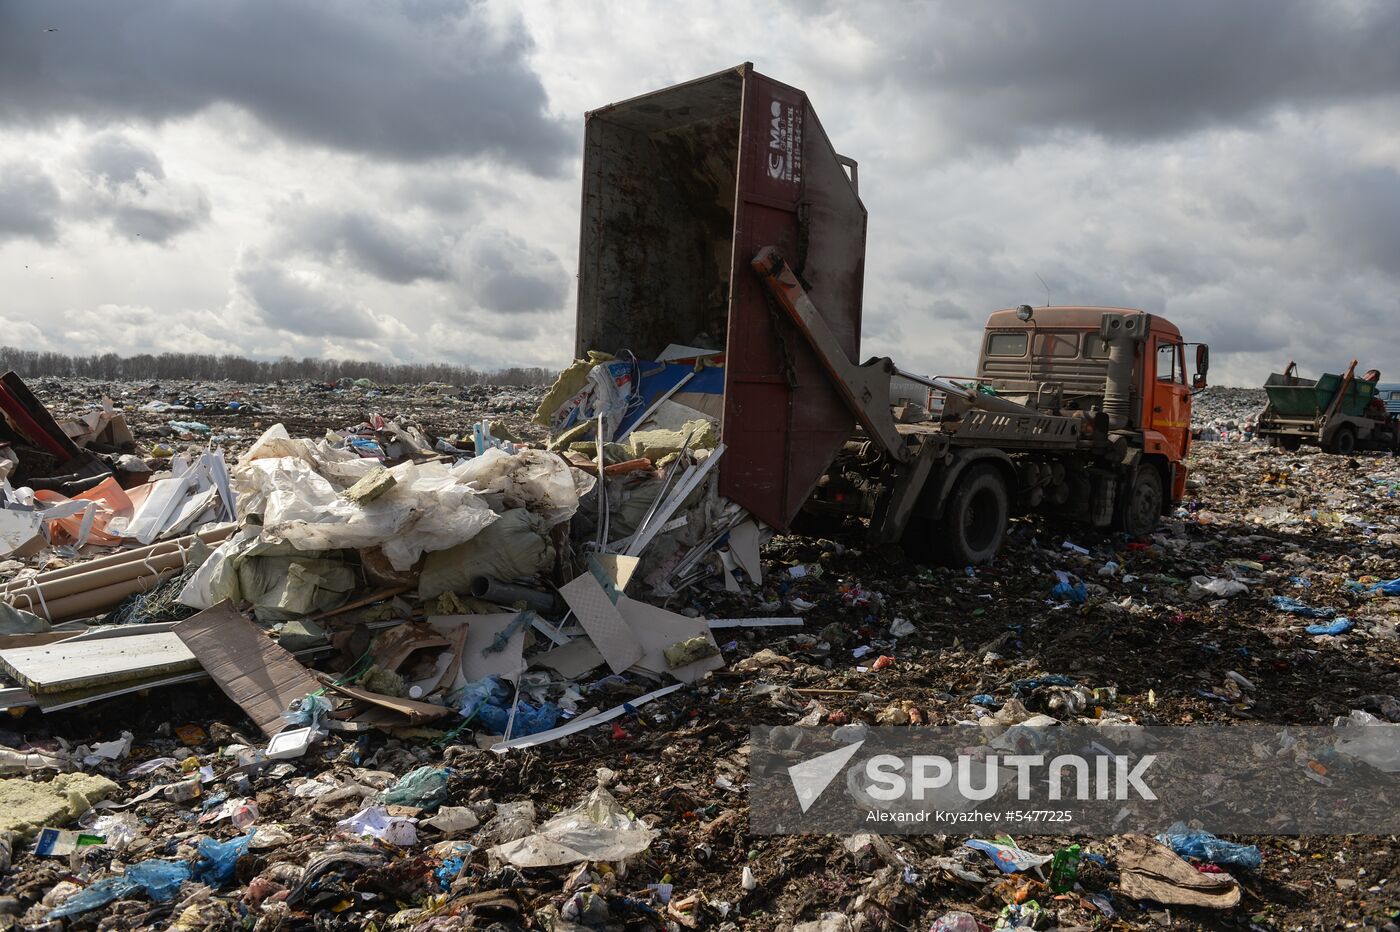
[(865, 389)]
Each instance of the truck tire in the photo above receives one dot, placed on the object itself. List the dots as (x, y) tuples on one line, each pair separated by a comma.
[(1343, 442), (1141, 507), (1289, 444), (973, 525)]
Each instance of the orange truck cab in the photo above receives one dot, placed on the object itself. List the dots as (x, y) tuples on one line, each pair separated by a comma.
[(1061, 359)]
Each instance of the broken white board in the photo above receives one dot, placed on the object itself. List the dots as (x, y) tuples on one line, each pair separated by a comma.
[(69, 665), (572, 660), (482, 631), (617, 567), (657, 629), (743, 544), (602, 622)]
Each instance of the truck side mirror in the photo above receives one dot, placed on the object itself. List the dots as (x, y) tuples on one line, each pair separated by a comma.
[(1202, 366)]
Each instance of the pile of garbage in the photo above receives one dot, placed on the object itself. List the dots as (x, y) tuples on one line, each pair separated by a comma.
[(1221, 412), (372, 674), (171, 415)]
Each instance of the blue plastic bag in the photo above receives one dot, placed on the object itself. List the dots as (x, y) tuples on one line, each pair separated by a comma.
[(1069, 589), (1389, 586), (1340, 626), (94, 895), (1293, 607), (529, 720), (160, 879), (1190, 843), (476, 695), (218, 860)]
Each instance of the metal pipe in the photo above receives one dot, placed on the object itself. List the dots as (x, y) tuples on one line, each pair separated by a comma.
[(504, 593)]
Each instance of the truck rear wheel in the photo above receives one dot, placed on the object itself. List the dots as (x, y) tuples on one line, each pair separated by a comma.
[(1142, 505), (1289, 444), (1343, 441), (973, 525)]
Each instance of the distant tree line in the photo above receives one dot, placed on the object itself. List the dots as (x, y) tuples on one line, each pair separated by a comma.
[(110, 366)]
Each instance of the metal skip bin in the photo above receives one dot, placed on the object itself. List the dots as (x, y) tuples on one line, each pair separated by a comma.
[(681, 188)]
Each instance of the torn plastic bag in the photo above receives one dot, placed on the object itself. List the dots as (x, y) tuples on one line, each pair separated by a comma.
[(425, 788), (376, 822), (218, 860), (552, 410), (160, 879), (597, 829), (1202, 845), (515, 544), (281, 581), (542, 482), (1367, 738)]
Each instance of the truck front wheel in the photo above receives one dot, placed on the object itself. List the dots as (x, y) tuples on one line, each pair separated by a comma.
[(1142, 506), (1343, 441), (974, 522)]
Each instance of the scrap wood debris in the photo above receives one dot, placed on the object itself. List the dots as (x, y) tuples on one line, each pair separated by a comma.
[(432, 667)]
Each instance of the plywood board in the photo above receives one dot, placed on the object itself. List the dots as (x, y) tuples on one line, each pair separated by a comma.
[(70, 665), (600, 618), (251, 668)]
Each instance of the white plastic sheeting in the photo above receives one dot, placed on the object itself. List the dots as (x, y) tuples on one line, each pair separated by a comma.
[(533, 479), (597, 829), (296, 486)]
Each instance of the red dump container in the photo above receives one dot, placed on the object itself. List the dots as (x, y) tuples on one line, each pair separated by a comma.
[(681, 188)]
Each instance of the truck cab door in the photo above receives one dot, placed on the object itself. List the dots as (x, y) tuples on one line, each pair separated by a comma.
[(1170, 409)]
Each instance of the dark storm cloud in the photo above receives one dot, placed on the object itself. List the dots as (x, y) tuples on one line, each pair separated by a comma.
[(29, 203), (419, 81), (367, 243), (286, 302), (128, 187), (117, 159), (1001, 72), (1362, 216), (504, 273)]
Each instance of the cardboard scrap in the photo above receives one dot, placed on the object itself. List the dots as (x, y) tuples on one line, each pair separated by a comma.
[(250, 667), (1149, 870)]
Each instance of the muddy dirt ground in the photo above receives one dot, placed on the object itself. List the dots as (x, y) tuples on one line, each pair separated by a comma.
[(680, 762)]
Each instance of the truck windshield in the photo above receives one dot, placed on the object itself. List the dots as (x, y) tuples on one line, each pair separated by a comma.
[(1056, 344), (1006, 344)]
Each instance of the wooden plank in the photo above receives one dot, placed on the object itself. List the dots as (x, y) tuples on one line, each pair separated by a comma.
[(70, 665), (414, 712), (251, 668)]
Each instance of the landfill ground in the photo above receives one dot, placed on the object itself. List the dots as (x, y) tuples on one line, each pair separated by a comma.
[(680, 762)]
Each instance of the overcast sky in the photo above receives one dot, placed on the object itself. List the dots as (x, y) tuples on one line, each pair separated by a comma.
[(400, 180)]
